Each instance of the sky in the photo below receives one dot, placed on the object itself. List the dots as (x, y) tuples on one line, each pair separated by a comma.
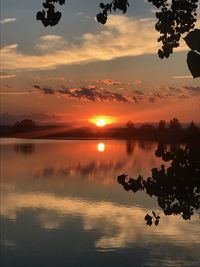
[(80, 69)]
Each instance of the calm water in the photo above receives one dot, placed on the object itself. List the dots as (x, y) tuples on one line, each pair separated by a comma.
[(61, 205)]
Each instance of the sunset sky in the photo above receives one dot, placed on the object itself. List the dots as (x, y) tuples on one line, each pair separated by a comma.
[(80, 69)]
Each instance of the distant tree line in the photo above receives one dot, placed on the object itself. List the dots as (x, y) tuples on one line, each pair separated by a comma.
[(24, 125), (172, 130)]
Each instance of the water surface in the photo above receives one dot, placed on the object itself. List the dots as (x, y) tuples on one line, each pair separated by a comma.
[(61, 205)]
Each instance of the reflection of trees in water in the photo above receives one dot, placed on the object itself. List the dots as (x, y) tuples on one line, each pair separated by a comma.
[(130, 146), (177, 187), (82, 169), (146, 144), (25, 148)]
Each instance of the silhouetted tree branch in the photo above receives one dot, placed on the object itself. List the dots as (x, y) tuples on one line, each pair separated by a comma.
[(177, 187)]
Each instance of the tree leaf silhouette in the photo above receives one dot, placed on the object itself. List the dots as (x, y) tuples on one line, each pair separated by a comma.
[(193, 40), (193, 62)]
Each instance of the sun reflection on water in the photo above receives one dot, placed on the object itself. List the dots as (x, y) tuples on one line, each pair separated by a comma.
[(101, 147)]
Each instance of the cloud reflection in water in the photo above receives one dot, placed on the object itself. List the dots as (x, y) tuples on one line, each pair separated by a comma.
[(118, 225)]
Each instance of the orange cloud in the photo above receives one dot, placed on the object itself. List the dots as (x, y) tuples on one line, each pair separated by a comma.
[(109, 82), (138, 82)]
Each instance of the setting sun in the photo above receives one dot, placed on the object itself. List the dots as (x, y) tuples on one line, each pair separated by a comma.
[(102, 121)]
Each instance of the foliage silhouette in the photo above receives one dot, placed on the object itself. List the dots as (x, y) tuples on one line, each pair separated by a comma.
[(130, 125), (192, 129), (108, 8), (177, 187), (174, 19), (130, 128), (193, 57), (162, 125), (24, 125), (174, 125), (48, 16)]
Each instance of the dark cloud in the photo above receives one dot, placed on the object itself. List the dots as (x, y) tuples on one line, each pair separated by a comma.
[(152, 99), (45, 90), (94, 94), (138, 92), (192, 89), (136, 99), (175, 89), (85, 93)]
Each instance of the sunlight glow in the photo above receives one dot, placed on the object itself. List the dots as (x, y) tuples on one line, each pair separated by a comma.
[(101, 147), (102, 121)]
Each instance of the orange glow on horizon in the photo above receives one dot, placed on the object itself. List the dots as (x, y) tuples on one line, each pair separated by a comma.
[(102, 121)]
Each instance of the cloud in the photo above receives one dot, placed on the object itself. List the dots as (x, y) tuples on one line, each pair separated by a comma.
[(121, 36), (49, 78), (192, 89), (4, 75), (15, 93), (50, 43), (45, 90), (91, 94), (79, 13), (138, 92), (7, 20), (138, 82), (197, 88), (109, 82), (182, 77), (94, 94)]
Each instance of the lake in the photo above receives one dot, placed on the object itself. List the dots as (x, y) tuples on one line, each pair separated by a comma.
[(61, 205)]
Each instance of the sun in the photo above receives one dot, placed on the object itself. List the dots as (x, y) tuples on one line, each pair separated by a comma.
[(101, 122)]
